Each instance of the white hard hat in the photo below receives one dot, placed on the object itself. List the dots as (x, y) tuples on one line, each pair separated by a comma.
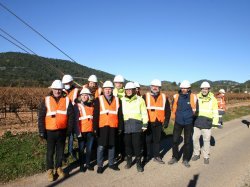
[(92, 78), (130, 85), (185, 84), (108, 84), (156, 82), (57, 84), (118, 78), (205, 84), (222, 91), (67, 79), (85, 91), (137, 85)]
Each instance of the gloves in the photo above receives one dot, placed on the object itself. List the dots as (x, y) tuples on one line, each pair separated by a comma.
[(43, 135), (165, 125)]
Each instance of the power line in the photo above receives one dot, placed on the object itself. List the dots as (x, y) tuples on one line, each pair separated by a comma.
[(15, 44), (17, 41), (36, 31)]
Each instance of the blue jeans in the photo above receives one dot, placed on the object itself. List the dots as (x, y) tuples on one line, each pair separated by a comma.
[(86, 140), (100, 157), (70, 143)]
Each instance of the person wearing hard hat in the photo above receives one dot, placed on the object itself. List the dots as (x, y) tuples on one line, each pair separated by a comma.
[(93, 86), (137, 88), (72, 92), (119, 89), (135, 120), (108, 122), (183, 112), (221, 106), (85, 135), (159, 114), (55, 119), (206, 117)]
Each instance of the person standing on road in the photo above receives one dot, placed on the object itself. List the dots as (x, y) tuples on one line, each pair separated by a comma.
[(159, 114), (108, 122), (221, 105), (206, 117), (85, 129), (72, 92), (135, 120), (55, 119), (183, 111)]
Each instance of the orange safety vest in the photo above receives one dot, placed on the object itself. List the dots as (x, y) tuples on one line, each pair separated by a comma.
[(56, 116), (85, 118), (156, 109), (193, 100), (73, 94), (221, 103), (108, 113)]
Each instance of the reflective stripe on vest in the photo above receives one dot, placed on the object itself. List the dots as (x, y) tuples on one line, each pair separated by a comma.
[(56, 115), (108, 113), (85, 118), (156, 109), (134, 110), (193, 100)]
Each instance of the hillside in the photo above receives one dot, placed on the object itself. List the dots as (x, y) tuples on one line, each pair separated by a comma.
[(19, 69)]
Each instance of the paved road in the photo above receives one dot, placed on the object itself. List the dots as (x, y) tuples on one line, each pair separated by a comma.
[(229, 166)]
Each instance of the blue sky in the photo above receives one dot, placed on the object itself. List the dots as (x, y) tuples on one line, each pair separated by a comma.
[(140, 39)]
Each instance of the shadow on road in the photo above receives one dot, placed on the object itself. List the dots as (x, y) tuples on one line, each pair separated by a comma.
[(193, 182)]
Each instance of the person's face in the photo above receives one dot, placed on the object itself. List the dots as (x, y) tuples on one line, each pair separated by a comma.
[(92, 84), (107, 91), (118, 85), (204, 91), (129, 92), (57, 92), (184, 90), (84, 97), (155, 89)]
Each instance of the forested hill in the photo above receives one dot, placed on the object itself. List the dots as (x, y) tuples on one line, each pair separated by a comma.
[(20, 69)]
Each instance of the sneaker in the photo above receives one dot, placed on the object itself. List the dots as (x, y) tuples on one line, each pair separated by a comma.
[(90, 168), (50, 175), (172, 161), (220, 126), (159, 160), (100, 170), (114, 167), (186, 164), (206, 160), (195, 157), (60, 173)]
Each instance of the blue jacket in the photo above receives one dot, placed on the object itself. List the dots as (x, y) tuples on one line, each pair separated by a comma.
[(184, 113)]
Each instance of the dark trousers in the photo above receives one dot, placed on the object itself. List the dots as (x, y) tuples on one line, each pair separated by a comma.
[(153, 136), (133, 143), (86, 140), (55, 143), (119, 146), (188, 129)]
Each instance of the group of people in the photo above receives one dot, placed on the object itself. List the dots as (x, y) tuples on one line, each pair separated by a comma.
[(124, 122)]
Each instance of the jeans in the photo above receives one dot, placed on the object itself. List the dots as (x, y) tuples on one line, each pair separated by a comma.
[(86, 140), (206, 133), (71, 143), (188, 129), (153, 135), (100, 155), (55, 143)]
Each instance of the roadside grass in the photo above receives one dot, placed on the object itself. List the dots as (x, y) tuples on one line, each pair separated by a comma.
[(24, 154)]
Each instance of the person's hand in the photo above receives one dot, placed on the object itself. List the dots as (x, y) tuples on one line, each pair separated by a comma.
[(165, 125), (96, 133), (43, 136), (119, 132)]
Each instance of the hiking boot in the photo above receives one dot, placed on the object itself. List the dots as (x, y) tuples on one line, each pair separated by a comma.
[(206, 160), (159, 160), (82, 169), (195, 157), (114, 167), (90, 168), (186, 164), (172, 161), (60, 173), (129, 162), (139, 165), (50, 175), (100, 170)]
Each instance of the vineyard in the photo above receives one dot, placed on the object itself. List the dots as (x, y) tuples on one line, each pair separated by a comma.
[(19, 106)]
